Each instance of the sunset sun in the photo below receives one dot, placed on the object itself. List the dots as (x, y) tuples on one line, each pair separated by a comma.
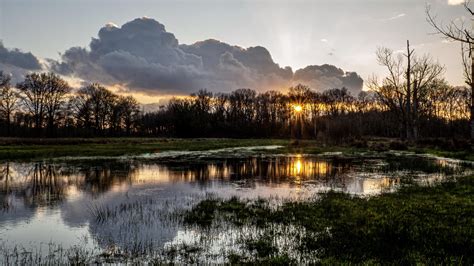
[(297, 108)]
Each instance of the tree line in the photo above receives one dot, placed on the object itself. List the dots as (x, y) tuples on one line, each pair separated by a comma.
[(45, 105), (412, 101)]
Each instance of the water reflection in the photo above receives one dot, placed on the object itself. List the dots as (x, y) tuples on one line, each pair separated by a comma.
[(47, 184), (58, 197)]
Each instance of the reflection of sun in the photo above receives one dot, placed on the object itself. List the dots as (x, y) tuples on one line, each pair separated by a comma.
[(298, 167)]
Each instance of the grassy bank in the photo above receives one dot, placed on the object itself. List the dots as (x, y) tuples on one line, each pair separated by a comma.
[(30, 149), (416, 224), (14, 149)]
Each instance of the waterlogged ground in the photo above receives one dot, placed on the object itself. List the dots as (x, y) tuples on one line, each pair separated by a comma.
[(132, 208)]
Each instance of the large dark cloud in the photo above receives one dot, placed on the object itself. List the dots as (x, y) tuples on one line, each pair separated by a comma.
[(144, 56), (17, 63), (17, 58)]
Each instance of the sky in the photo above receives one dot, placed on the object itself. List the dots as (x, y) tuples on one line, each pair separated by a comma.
[(159, 47)]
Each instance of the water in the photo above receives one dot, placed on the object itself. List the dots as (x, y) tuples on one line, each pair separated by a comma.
[(128, 204)]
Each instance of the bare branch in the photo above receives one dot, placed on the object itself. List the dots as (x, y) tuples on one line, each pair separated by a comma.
[(451, 31)]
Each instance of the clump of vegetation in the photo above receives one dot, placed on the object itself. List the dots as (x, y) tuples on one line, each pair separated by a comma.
[(416, 224), (398, 145)]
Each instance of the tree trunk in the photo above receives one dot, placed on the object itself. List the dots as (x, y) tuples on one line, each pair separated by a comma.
[(408, 120), (8, 123), (471, 122), (415, 111), (472, 93)]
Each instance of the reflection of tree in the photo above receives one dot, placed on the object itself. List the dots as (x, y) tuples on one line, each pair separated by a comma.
[(5, 190), (45, 186), (271, 171), (101, 178)]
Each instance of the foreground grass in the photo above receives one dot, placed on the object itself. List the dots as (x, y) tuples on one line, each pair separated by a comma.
[(466, 155), (432, 224)]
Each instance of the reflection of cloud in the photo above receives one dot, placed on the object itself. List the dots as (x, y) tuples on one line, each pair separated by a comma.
[(372, 186)]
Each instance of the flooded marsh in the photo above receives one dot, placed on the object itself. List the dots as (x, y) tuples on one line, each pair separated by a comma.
[(189, 207)]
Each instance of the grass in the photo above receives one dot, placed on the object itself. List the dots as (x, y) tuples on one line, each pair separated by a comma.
[(31, 149), (417, 224), (14, 149), (467, 155)]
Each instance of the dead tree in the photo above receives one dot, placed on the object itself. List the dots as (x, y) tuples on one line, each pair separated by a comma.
[(461, 33)]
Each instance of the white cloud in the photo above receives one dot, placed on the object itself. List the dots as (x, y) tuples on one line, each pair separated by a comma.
[(324, 40), (401, 15), (455, 2), (111, 25)]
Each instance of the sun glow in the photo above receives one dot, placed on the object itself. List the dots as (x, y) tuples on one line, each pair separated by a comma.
[(297, 108)]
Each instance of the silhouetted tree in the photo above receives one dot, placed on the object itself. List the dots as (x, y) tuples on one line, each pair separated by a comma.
[(43, 95), (435, 110), (94, 105), (8, 100), (57, 89), (457, 31), (405, 86)]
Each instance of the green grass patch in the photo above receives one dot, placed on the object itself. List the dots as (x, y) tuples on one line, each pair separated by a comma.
[(467, 155), (39, 149), (417, 224), (30, 149)]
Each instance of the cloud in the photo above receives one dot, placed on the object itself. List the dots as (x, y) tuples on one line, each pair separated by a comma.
[(401, 15), (17, 58), (328, 76), (142, 55), (455, 2), (17, 63)]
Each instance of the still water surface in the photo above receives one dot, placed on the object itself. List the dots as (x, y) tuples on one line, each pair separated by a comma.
[(57, 201)]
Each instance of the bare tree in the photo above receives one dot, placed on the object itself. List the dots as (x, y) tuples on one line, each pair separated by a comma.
[(456, 30), (34, 91), (406, 86), (391, 92), (57, 89), (95, 106), (8, 100), (129, 112), (43, 95), (425, 76)]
